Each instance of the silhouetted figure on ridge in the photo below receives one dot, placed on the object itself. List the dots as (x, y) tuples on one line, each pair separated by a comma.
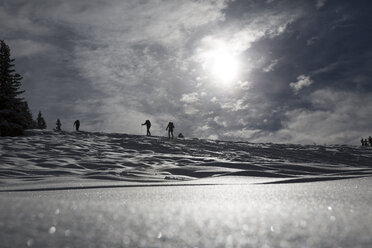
[(180, 135), (362, 141), (365, 142), (58, 125), (148, 125), (77, 125), (170, 128), (370, 140)]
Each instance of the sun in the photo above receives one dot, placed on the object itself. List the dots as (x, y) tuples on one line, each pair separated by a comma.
[(224, 66), (220, 63)]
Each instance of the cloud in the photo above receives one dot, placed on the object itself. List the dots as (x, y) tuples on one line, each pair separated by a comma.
[(245, 133), (320, 3), (190, 110), (161, 21), (344, 122), (19, 23), (219, 121), (21, 48), (190, 98), (312, 40), (302, 81), (340, 117), (234, 105), (271, 66)]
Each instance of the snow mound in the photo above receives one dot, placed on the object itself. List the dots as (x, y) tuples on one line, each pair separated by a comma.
[(47, 155)]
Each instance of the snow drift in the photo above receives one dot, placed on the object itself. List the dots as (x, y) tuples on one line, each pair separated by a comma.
[(47, 155)]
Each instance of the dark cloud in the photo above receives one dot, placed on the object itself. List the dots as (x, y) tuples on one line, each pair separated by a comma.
[(302, 70)]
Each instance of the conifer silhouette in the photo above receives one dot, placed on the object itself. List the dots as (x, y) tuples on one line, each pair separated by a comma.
[(41, 124), (15, 115), (58, 125)]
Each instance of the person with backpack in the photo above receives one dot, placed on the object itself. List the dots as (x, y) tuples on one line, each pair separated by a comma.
[(170, 128), (148, 125), (77, 125)]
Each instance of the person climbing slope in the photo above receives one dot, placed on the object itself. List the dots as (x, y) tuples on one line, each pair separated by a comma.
[(170, 128), (148, 126), (77, 125)]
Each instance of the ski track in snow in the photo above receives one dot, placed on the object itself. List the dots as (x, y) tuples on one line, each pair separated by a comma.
[(44, 155)]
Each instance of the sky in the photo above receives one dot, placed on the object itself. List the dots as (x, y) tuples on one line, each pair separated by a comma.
[(275, 71)]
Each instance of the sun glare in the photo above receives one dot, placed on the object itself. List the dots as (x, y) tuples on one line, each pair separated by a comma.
[(224, 66), (221, 63)]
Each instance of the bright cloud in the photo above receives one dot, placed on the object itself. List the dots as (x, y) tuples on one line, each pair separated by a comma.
[(190, 98), (302, 82)]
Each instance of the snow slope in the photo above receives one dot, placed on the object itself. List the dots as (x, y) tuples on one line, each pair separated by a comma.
[(322, 214), (99, 190), (43, 156)]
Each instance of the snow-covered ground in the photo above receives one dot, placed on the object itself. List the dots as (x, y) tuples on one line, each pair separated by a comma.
[(80, 189), (43, 156)]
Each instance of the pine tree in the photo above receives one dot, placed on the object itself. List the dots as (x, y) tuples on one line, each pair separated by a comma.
[(58, 125), (15, 115), (27, 115), (41, 124)]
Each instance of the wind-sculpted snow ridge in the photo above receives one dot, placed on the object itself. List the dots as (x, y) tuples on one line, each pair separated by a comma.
[(48, 155)]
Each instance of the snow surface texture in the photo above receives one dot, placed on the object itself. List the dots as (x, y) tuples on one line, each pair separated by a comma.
[(46, 155), (79, 189), (321, 214)]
